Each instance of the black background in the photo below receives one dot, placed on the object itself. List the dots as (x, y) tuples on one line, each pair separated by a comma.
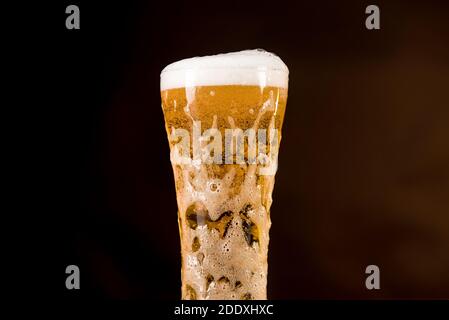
[(364, 163)]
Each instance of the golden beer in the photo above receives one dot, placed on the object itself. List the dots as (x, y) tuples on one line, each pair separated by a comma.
[(223, 116)]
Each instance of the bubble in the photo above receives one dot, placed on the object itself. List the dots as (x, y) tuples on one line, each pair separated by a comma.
[(196, 244), (212, 93), (209, 280), (246, 210), (250, 231), (190, 293), (196, 215), (247, 296), (226, 247), (224, 281), (222, 223), (251, 111), (200, 257)]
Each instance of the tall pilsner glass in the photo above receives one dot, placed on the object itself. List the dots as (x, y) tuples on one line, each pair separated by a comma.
[(223, 116)]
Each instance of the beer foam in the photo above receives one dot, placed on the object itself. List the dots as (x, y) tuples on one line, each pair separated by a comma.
[(241, 266), (249, 67)]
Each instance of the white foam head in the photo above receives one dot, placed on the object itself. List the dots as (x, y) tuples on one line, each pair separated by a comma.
[(248, 67)]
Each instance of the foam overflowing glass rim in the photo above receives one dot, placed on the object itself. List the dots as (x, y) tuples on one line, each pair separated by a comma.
[(248, 67)]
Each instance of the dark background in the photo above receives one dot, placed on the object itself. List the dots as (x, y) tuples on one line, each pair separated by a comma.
[(364, 163)]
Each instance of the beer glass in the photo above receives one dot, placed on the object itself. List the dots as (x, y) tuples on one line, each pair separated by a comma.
[(223, 117)]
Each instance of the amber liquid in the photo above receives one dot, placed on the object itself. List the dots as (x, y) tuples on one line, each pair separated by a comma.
[(223, 209)]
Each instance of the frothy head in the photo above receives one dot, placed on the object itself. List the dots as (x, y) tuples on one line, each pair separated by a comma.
[(249, 67)]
